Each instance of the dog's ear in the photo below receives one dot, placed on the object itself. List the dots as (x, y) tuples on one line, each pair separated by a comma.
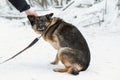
[(49, 16), (31, 18)]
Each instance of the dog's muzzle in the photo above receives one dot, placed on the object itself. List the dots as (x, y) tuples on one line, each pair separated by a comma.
[(41, 27)]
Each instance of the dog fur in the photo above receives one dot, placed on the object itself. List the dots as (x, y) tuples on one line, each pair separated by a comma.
[(73, 50)]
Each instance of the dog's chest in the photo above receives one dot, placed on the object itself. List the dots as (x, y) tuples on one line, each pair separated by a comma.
[(54, 42)]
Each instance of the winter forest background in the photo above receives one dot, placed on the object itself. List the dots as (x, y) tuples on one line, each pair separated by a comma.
[(98, 21), (97, 9)]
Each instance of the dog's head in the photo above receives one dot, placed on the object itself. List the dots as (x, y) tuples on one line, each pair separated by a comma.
[(40, 23)]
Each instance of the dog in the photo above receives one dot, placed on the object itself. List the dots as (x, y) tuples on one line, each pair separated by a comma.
[(72, 48)]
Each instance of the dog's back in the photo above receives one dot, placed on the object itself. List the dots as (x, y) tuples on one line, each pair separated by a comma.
[(70, 36)]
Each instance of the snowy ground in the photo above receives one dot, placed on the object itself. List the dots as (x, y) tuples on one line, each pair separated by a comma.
[(34, 63)]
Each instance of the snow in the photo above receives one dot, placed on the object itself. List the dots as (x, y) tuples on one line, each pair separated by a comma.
[(34, 63)]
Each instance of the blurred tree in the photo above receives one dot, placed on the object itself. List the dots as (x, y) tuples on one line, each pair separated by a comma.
[(97, 1), (44, 4), (60, 2), (10, 6), (40, 3), (118, 4)]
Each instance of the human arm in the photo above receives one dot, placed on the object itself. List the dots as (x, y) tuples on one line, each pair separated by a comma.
[(22, 5)]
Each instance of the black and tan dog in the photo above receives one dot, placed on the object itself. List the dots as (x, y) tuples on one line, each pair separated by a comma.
[(72, 47)]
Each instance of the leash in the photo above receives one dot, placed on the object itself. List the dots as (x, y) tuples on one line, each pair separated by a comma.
[(34, 41), (30, 45)]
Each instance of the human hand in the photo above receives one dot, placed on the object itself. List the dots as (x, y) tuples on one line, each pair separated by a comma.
[(31, 12)]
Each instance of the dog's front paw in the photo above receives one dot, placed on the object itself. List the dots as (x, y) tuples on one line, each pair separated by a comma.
[(54, 63), (56, 70)]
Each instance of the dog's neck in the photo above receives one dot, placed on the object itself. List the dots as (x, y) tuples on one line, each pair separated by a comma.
[(52, 26), (53, 21)]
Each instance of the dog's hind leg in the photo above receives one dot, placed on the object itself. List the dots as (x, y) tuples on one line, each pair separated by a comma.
[(71, 70), (70, 66), (64, 60), (60, 69)]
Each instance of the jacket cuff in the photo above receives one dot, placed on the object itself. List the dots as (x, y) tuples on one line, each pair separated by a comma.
[(26, 7)]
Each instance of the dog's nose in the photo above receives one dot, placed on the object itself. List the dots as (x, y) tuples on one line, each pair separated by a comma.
[(41, 27)]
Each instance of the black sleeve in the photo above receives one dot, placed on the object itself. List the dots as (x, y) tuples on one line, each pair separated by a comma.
[(20, 5)]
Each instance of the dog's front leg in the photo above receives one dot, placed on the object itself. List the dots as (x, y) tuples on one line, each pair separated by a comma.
[(56, 60)]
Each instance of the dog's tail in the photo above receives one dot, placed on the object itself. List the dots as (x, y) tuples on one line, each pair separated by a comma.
[(74, 70)]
